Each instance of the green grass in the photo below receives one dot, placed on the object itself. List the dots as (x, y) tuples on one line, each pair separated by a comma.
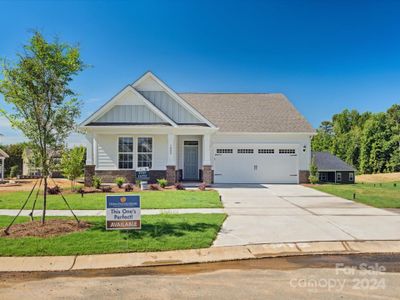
[(159, 233), (150, 199), (382, 195)]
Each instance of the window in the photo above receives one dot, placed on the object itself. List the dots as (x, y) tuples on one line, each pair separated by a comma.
[(266, 151), (125, 153), (338, 176), (322, 177), (220, 151), (145, 152), (351, 176), (287, 151), (245, 151)]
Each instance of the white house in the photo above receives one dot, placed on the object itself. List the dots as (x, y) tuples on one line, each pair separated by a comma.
[(209, 137)]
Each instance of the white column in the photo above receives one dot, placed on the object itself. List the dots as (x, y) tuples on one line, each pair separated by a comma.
[(89, 149), (95, 148), (206, 150), (171, 160)]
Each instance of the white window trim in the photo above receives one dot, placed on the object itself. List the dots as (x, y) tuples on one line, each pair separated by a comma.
[(133, 152), (339, 175), (152, 150), (351, 176)]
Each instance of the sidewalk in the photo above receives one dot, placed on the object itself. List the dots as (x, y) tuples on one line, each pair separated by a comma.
[(214, 254), (88, 212)]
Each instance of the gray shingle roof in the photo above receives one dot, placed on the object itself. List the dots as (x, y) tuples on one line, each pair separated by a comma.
[(326, 161), (249, 112)]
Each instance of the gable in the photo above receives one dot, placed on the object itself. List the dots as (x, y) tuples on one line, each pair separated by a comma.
[(129, 114), (167, 101), (170, 107)]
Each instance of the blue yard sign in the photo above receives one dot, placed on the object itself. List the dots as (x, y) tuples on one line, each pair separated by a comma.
[(123, 212)]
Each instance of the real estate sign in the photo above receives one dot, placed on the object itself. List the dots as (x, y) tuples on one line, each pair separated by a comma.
[(142, 173), (123, 212)]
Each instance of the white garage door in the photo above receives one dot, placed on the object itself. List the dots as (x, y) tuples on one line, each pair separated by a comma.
[(258, 164)]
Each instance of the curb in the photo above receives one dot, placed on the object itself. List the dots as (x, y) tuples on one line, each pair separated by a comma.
[(178, 257)]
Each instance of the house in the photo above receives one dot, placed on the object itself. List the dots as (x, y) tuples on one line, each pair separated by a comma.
[(31, 169), (3, 156), (209, 137), (332, 169)]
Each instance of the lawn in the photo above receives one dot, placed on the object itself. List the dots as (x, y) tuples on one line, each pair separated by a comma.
[(159, 233), (150, 199), (382, 195)]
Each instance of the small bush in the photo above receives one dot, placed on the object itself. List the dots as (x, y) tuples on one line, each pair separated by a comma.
[(120, 181), (96, 182), (55, 190), (106, 189), (128, 187), (162, 182), (155, 187), (14, 171), (313, 179), (138, 183), (179, 186), (202, 186)]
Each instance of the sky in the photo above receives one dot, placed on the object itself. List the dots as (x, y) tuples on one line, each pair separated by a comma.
[(325, 56)]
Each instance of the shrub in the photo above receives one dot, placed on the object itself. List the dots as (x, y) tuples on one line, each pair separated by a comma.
[(128, 187), (202, 186), (53, 190), (14, 171), (106, 189), (138, 183), (120, 181), (162, 182), (155, 187), (313, 179), (179, 186), (96, 182)]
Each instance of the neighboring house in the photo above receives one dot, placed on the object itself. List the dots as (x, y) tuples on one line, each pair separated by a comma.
[(3, 156), (332, 169), (30, 168), (209, 137)]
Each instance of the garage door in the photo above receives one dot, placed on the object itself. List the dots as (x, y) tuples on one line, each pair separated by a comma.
[(259, 164)]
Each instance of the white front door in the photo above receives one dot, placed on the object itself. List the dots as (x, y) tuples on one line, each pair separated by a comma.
[(264, 163)]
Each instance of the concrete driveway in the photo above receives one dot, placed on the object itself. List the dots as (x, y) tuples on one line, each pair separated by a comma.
[(294, 213)]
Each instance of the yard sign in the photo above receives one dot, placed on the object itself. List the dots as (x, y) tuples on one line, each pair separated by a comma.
[(123, 212)]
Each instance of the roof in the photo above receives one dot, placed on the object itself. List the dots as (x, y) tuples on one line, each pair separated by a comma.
[(232, 112), (326, 161), (3, 154)]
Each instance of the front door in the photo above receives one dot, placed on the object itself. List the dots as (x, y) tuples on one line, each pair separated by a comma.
[(191, 160)]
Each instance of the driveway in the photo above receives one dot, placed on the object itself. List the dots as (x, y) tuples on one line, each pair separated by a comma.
[(294, 213)]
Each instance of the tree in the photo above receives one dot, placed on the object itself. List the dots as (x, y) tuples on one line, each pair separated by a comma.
[(15, 152), (44, 106), (73, 163)]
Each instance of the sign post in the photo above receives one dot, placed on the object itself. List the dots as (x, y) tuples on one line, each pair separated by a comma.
[(123, 212)]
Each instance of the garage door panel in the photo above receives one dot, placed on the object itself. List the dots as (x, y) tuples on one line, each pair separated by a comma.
[(261, 164)]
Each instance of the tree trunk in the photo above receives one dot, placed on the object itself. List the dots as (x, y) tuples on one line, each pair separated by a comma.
[(44, 200)]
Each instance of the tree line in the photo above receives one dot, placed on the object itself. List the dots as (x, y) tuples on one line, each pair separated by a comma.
[(370, 142)]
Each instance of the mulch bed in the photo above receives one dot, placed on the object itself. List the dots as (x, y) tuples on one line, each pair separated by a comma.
[(54, 227)]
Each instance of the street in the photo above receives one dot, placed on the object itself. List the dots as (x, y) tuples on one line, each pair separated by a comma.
[(308, 277)]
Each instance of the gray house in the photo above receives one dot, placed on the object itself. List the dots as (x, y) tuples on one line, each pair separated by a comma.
[(332, 169)]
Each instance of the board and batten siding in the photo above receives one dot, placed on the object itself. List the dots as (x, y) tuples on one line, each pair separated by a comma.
[(129, 114), (107, 151), (170, 107)]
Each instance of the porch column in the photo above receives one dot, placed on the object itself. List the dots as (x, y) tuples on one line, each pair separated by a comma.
[(207, 169), (94, 150), (91, 160), (171, 159), (89, 149)]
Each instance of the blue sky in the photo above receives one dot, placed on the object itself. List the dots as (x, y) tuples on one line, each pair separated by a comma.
[(324, 55)]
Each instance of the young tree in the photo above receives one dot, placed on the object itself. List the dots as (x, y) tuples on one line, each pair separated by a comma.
[(73, 163), (44, 106)]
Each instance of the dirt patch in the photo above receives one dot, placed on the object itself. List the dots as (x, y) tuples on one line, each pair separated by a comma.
[(51, 228), (376, 178)]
